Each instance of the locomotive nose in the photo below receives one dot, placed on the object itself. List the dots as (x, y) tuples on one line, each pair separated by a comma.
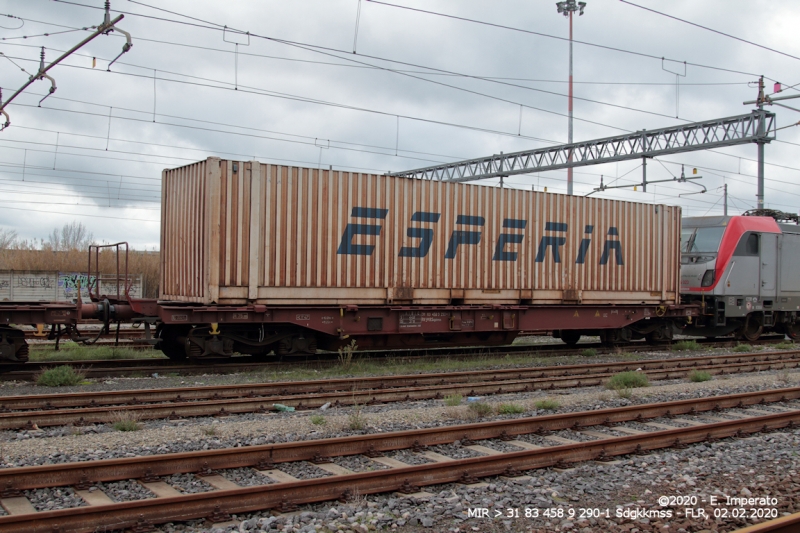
[(697, 272)]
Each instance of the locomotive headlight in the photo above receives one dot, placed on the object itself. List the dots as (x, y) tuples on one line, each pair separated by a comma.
[(708, 279)]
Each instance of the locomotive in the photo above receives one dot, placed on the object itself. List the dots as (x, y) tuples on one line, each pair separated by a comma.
[(742, 273)]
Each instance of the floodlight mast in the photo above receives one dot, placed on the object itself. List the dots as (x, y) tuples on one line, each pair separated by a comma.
[(567, 8)]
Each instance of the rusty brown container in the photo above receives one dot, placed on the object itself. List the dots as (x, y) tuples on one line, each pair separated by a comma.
[(235, 232)]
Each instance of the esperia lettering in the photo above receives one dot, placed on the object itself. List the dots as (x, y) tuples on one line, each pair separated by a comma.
[(468, 233)]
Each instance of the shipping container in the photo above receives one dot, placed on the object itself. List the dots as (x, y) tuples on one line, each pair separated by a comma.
[(235, 232)]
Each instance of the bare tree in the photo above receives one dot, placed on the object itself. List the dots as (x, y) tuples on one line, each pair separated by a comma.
[(72, 236), (8, 238)]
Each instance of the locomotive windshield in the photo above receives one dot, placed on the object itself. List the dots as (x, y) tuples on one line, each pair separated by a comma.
[(701, 240)]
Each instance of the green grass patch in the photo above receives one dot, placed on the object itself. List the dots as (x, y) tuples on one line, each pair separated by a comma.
[(388, 366), (698, 376), (785, 345), (127, 425), (510, 409), (742, 348), (72, 351), (453, 400), (60, 376), (318, 420), (480, 409), (589, 352), (547, 405), (627, 380), (683, 346)]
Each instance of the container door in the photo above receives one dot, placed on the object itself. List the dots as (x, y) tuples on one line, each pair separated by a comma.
[(769, 264)]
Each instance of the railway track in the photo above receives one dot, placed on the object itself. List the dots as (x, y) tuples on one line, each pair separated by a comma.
[(124, 367), (32, 411), (745, 414)]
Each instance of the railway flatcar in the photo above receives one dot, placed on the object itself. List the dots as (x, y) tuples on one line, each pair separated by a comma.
[(259, 258), (742, 271)]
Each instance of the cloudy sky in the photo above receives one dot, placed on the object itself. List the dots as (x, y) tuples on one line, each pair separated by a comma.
[(421, 88)]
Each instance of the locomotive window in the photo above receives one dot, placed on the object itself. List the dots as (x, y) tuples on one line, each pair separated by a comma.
[(686, 236), (748, 245), (704, 240), (751, 248)]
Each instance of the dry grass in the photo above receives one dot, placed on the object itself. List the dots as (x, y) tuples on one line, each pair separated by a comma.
[(126, 420), (144, 263)]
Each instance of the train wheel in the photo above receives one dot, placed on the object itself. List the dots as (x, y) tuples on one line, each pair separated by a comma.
[(297, 345), (751, 330), (173, 350), (170, 345), (13, 346), (660, 335), (570, 337)]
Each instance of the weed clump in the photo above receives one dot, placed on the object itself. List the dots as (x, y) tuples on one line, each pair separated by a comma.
[(684, 346), (346, 354), (698, 376), (509, 409), (125, 421), (356, 420), (628, 380), (589, 352), (547, 405), (480, 409), (742, 348), (60, 376), (625, 393), (318, 420), (453, 400)]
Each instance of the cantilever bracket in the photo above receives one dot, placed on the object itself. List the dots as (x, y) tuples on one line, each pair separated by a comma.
[(125, 47)]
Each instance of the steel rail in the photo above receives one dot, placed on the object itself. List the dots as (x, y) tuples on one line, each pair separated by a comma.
[(100, 398), (785, 524), (123, 367), (266, 455), (143, 513), (263, 404)]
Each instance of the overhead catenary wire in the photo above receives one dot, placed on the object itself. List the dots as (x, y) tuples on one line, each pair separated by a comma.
[(710, 29), (333, 51), (81, 214), (427, 72), (722, 154), (380, 112), (549, 36)]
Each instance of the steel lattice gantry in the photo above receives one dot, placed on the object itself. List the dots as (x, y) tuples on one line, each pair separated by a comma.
[(757, 126)]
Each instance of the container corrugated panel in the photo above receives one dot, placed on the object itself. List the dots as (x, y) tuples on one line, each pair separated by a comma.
[(235, 232)]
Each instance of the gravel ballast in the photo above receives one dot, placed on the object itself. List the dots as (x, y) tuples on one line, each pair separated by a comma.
[(760, 465)]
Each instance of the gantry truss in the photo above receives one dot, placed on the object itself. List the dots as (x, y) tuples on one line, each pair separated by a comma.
[(757, 126)]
